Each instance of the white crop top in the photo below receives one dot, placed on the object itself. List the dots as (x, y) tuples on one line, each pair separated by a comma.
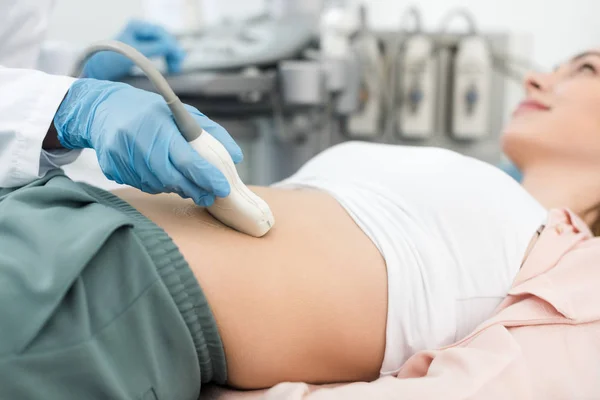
[(453, 231)]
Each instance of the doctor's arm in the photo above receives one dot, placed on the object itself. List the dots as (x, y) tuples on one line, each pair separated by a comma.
[(51, 141), (28, 102), (132, 132)]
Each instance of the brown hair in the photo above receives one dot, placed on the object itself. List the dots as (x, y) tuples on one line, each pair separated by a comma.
[(595, 226)]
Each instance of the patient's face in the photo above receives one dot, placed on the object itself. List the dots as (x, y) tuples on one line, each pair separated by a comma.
[(559, 119)]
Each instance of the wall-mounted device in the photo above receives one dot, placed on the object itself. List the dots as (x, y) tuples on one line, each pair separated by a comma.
[(472, 89), (366, 121), (416, 94), (337, 26)]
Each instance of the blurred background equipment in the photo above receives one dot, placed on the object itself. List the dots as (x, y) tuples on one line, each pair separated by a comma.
[(290, 78)]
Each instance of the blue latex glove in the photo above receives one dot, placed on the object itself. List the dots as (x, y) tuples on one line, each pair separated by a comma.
[(149, 39), (137, 142)]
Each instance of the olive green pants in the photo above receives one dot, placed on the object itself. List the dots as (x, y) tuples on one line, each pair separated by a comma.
[(96, 302)]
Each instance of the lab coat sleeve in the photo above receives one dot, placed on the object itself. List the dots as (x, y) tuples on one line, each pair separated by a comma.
[(28, 101)]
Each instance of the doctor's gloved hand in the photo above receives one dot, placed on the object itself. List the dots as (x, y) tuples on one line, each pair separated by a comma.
[(137, 141), (149, 39)]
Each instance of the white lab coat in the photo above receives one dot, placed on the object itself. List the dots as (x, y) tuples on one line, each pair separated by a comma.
[(29, 99)]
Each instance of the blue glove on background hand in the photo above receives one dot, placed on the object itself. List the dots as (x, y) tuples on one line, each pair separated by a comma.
[(149, 39), (137, 142)]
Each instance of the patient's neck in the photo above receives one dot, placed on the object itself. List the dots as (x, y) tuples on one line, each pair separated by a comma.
[(562, 186)]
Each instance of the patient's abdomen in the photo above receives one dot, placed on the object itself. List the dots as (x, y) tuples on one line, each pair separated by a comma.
[(307, 302)]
